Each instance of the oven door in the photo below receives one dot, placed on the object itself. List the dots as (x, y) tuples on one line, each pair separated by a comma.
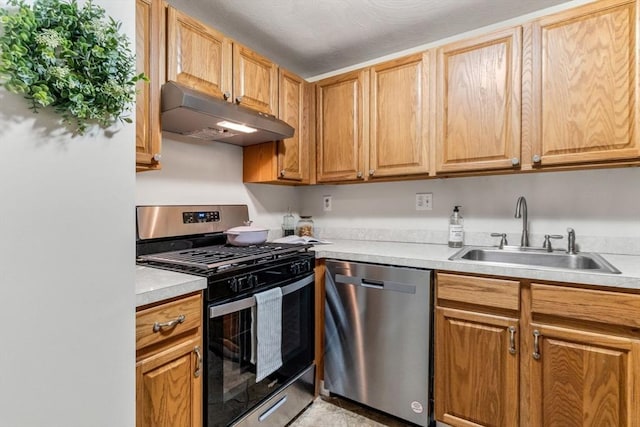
[(231, 389)]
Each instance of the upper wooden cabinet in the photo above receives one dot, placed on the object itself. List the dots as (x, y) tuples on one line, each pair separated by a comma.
[(286, 161), (204, 59), (342, 127), (376, 122), (150, 61), (478, 103), (198, 56), (401, 112), (255, 80), (580, 85)]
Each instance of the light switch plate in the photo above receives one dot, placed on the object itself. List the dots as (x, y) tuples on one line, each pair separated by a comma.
[(424, 201)]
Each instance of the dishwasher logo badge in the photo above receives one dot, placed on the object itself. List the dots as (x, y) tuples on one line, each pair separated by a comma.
[(416, 407)]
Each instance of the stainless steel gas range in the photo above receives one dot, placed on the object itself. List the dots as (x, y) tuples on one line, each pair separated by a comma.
[(190, 239)]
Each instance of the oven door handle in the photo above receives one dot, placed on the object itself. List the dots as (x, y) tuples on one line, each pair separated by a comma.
[(234, 306)]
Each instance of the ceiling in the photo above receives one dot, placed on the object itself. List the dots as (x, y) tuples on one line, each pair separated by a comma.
[(313, 37)]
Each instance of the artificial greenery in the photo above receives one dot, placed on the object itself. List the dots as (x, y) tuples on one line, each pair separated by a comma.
[(70, 57)]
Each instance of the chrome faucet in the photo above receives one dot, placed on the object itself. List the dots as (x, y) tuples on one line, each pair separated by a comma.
[(521, 212)]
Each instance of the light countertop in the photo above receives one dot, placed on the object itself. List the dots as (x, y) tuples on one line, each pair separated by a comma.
[(153, 285), (436, 257)]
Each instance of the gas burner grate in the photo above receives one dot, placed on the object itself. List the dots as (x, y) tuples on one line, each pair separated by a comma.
[(210, 257)]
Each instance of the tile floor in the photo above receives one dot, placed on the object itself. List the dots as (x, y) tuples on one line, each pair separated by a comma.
[(336, 412)]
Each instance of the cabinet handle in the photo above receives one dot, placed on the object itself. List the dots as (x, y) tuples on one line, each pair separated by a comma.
[(157, 157), (226, 95), (536, 158), (239, 99), (536, 344), (512, 340), (170, 324), (359, 174), (515, 161), (371, 172), (198, 353), (282, 173)]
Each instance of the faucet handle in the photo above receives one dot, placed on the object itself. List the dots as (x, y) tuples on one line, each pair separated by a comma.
[(547, 242), (571, 238), (503, 240)]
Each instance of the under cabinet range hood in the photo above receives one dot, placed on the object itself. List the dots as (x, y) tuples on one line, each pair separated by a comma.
[(191, 113)]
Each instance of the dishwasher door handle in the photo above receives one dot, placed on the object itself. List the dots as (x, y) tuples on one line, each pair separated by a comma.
[(384, 285), (375, 284)]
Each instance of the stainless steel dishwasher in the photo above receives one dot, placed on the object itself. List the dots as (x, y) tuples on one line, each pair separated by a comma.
[(378, 328)]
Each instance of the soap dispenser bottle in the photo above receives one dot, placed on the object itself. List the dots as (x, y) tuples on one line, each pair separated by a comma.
[(456, 229)]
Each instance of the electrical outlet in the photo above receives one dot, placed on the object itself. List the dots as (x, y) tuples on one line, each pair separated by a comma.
[(326, 203), (424, 201)]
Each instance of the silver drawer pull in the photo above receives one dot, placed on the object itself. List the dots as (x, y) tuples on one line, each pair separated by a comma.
[(170, 324), (198, 353), (512, 340), (273, 409), (536, 344)]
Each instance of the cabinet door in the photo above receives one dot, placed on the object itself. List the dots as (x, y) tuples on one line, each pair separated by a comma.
[(255, 80), (286, 161), (476, 368), (198, 56), (478, 106), (580, 85), (400, 98), (149, 60), (293, 153), (169, 387), (584, 379), (342, 132)]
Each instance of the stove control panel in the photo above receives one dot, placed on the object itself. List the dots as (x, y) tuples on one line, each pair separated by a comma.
[(197, 217), (242, 283), (298, 267), (252, 278)]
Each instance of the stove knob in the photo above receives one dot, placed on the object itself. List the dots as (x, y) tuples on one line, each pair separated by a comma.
[(233, 284), (307, 266), (242, 283), (295, 268), (253, 281)]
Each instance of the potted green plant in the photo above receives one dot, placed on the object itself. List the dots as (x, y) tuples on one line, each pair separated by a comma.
[(70, 57)]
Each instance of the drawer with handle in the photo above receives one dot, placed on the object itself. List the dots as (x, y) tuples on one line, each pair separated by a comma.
[(156, 324)]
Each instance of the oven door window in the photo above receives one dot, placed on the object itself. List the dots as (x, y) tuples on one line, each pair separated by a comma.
[(231, 379)]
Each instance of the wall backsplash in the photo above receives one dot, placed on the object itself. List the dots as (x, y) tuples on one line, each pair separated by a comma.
[(603, 206), (195, 172)]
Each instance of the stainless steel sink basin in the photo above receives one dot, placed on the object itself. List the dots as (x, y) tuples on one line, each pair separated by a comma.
[(516, 255)]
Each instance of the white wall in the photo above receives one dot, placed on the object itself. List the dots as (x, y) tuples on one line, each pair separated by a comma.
[(603, 206), (200, 172), (67, 303)]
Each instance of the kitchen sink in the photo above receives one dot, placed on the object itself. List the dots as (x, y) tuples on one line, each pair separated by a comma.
[(515, 255)]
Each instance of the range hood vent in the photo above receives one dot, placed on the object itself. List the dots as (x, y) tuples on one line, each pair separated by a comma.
[(191, 113)]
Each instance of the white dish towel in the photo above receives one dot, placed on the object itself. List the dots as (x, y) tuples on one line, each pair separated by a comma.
[(266, 329)]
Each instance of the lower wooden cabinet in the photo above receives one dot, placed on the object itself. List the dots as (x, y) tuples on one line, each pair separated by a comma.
[(477, 351), (477, 364), (583, 378), (562, 356), (169, 364), (584, 357)]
